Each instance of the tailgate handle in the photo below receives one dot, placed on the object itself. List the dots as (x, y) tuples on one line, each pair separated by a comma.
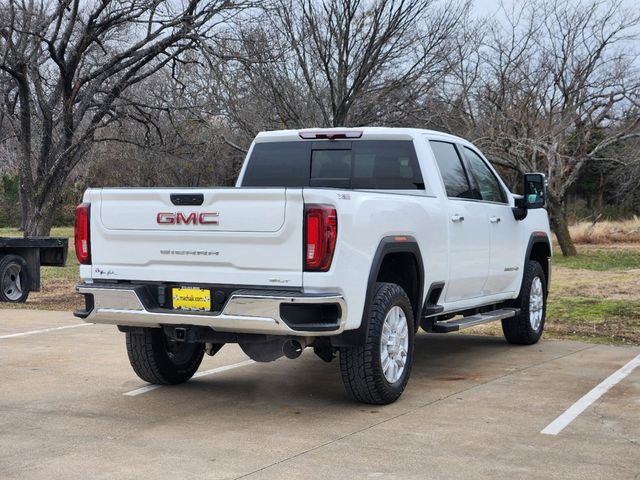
[(187, 198)]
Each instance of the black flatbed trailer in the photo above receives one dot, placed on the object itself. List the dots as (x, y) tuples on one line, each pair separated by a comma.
[(20, 261)]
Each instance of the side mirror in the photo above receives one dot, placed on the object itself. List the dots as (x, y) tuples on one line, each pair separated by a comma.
[(535, 190)]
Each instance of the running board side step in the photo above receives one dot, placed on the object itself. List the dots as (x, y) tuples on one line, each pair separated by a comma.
[(473, 320)]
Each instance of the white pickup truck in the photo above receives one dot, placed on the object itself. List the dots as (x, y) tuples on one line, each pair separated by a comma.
[(346, 241)]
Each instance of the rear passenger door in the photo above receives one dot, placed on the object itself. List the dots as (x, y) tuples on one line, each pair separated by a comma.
[(469, 242), (506, 259)]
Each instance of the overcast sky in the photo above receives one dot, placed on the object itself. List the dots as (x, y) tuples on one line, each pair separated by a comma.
[(487, 7), (490, 7)]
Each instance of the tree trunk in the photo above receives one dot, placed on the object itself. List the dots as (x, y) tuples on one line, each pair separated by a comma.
[(24, 206), (38, 216), (560, 227), (601, 186), (39, 222)]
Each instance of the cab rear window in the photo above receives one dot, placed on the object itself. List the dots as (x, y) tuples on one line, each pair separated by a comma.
[(362, 164)]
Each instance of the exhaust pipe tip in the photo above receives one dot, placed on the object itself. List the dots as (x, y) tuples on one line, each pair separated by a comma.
[(293, 348)]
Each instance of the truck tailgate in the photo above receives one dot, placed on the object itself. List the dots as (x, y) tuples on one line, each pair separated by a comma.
[(236, 236)]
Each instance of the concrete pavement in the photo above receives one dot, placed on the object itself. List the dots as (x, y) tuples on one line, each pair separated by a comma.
[(474, 408)]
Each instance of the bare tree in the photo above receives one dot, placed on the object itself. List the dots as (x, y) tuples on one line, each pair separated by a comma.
[(66, 65), (340, 62), (173, 128), (557, 89)]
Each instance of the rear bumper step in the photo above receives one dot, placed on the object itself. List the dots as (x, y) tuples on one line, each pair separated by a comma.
[(473, 320), (245, 311)]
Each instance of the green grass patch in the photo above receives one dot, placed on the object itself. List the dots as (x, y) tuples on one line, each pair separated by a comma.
[(55, 232), (601, 260), (576, 309)]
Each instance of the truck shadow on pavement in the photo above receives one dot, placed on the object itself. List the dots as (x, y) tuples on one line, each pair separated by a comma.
[(441, 364)]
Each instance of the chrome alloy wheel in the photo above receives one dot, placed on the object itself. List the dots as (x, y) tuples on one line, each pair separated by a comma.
[(11, 283), (536, 303), (394, 344)]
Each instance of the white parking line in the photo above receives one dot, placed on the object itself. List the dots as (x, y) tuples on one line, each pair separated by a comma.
[(148, 388), (33, 332), (581, 405)]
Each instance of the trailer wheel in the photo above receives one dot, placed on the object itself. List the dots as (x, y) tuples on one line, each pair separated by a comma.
[(14, 279)]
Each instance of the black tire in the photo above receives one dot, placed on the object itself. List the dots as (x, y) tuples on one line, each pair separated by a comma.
[(15, 280), (159, 360), (361, 366), (519, 330)]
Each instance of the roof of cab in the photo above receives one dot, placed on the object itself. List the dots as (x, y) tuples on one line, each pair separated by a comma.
[(371, 133)]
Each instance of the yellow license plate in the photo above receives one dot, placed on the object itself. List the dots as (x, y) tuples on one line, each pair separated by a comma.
[(191, 299)]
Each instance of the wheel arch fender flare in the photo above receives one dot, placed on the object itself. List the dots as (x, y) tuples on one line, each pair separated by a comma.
[(538, 240), (388, 245)]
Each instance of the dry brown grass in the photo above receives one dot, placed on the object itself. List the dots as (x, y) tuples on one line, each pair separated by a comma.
[(606, 231)]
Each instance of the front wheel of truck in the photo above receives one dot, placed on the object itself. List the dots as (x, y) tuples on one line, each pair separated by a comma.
[(526, 327), (158, 359), (377, 371)]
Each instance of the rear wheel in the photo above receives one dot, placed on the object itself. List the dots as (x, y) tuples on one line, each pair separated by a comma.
[(159, 359), (378, 371), (14, 279), (526, 328)]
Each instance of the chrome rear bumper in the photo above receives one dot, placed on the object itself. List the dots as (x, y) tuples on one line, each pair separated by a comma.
[(246, 311)]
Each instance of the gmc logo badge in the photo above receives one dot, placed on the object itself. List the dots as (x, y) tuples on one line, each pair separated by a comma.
[(193, 218)]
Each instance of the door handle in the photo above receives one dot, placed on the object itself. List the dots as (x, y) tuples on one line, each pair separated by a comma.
[(494, 219), (457, 218)]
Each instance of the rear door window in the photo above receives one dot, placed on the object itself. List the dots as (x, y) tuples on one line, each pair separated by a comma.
[(452, 170)]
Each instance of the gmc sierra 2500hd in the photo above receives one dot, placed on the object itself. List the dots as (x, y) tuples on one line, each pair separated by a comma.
[(344, 240)]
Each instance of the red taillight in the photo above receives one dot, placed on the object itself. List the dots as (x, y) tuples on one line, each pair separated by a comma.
[(81, 234), (321, 225)]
